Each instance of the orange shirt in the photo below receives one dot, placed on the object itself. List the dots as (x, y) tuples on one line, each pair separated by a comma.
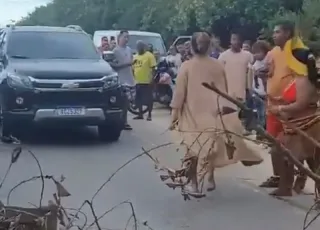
[(281, 75)]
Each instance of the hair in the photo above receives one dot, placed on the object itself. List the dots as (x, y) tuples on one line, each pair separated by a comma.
[(261, 45), (104, 38), (287, 26), (112, 38), (122, 32), (236, 33), (200, 43), (208, 33), (150, 47), (306, 57), (261, 37)]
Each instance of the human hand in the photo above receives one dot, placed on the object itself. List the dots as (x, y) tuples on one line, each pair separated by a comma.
[(173, 124), (262, 73), (274, 109)]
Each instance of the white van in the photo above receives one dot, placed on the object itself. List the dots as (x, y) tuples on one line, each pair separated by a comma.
[(148, 37)]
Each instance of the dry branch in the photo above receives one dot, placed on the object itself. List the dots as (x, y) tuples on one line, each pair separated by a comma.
[(65, 216), (284, 151)]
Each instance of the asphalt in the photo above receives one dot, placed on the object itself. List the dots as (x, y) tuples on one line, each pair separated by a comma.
[(86, 163)]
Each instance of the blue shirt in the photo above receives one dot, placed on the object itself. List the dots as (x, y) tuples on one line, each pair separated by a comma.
[(215, 54)]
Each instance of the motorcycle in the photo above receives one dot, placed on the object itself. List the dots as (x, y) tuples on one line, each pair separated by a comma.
[(163, 85), (164, 82)]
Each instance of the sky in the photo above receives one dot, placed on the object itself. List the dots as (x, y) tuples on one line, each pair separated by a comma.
[(16, 9)]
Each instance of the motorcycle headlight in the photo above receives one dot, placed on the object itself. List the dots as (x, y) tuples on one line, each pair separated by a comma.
[(16, 81), (111, 80)]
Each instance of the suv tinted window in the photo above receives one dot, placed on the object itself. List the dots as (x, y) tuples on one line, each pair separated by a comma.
[(51, 45)]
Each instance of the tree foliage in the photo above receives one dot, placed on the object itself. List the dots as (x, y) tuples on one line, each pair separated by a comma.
[(307, 20), (169, 17)]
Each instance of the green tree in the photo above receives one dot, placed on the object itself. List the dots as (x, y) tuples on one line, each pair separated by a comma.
[(307, 20), (169, 17)]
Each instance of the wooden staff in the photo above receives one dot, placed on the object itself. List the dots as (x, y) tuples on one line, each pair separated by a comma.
[(284, 151)]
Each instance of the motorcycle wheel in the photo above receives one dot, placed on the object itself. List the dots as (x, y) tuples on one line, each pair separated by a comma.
[(134, 110)]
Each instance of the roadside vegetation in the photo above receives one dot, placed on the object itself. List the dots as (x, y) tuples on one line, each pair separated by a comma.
[(172, 18)]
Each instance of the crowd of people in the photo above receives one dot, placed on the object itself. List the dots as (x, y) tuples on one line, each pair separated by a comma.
[(279, 84)]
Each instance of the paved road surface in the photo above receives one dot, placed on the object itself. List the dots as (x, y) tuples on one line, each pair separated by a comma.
[(86, 163)]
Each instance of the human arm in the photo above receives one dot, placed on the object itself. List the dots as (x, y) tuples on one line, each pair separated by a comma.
[(269, 65), (119, 63), (179, 94), (305, 92), (225, 105), (250, 76), (222, 58)]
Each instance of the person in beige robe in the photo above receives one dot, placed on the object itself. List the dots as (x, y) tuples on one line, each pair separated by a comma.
[(197, 122)]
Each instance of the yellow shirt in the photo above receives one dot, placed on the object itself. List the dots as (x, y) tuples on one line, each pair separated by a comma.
[(142, 68)]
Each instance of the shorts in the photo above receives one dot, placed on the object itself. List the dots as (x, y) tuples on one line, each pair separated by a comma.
[(144, 94)]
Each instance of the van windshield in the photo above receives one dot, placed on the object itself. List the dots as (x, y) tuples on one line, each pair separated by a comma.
[(156, 42)]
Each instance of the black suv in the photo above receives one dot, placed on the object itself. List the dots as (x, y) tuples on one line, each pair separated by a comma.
[(55, 75)]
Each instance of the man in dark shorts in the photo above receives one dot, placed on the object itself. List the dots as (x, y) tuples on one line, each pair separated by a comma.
[(144, 69)]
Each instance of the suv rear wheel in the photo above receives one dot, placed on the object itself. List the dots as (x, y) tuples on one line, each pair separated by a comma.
[(108, 132)]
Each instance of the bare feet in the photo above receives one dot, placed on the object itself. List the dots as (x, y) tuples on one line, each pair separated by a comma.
[(192, 190), (192, 187), (211, 186), (299, 184), (281, 192)]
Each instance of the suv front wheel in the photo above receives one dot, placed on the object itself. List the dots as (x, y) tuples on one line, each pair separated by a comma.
[(108, 132), (6, 129)]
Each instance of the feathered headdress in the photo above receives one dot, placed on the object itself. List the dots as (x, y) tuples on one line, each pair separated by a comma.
[(297, 54)]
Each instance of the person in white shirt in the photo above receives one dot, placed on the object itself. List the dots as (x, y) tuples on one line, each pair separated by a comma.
[(236, 62), (175, 58), (260, 50)]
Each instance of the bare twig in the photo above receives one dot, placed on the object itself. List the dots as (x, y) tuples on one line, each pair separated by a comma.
[(24, 182), (41, 174), (127, 202), (263, 133), (124, 165), (96, 221), (313, 207), (14, 157)]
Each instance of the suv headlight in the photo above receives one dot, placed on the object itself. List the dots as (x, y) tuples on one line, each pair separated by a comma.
[(111, 80), (16, 81)]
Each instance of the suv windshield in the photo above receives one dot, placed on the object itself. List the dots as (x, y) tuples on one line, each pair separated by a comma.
[(156, 42), (51, 45)]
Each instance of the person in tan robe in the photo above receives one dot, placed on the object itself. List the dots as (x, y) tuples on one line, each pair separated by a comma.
[(198, 121)]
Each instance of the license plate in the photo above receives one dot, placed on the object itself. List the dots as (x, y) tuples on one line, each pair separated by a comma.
[(70, 112)]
